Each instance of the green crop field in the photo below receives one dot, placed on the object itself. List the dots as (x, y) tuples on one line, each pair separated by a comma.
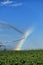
[(31, 57)]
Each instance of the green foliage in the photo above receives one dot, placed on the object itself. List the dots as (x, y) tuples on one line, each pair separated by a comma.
[(32, 57)]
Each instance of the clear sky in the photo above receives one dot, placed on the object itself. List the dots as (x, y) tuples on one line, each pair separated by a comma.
[(23, 14)]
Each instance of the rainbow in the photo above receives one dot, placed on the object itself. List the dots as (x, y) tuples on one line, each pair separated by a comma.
[(25, 36)]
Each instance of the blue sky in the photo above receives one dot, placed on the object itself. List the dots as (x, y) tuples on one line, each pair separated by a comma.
[(22, 14)]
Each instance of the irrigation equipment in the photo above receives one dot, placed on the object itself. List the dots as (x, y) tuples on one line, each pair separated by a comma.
[(13, 28)]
